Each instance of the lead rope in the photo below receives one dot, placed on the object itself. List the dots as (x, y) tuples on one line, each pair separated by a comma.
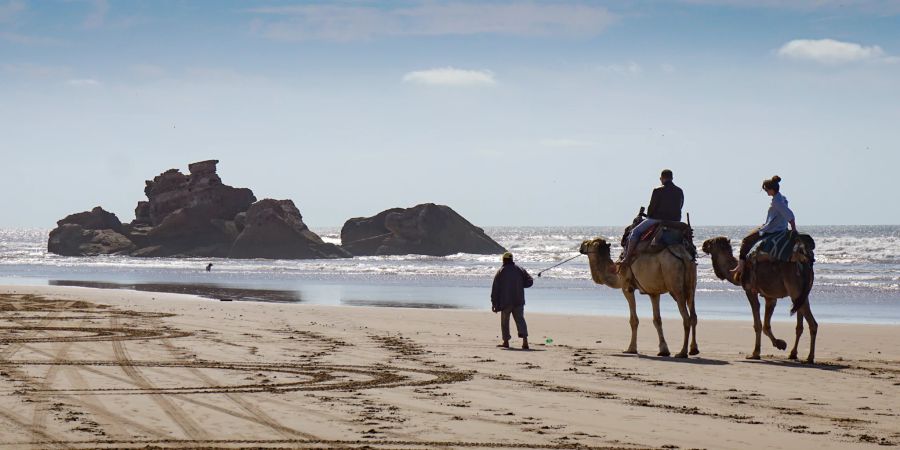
[(557, 265)]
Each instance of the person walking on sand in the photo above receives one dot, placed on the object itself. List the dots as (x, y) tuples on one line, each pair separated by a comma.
[(508, 298)]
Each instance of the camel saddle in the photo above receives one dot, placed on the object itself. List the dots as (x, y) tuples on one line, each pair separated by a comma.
[(784, 246), (662, 235)]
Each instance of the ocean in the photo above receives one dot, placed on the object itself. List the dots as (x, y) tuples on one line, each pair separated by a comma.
[(857, 275)]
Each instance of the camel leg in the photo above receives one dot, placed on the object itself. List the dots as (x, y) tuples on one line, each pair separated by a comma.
[(633, 320), (800, 317), (657, 322), (694, 349), (767, 327), (686, 321), (813, 329), (757, 323)]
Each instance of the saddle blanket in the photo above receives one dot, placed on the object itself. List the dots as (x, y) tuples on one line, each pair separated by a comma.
[(779, 245)]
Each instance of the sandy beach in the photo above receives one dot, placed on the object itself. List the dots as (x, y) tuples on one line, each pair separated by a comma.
[(91, 368)]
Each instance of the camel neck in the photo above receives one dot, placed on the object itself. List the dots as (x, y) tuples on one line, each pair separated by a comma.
[(722, 266)]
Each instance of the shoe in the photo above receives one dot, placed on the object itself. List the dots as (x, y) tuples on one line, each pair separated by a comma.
[(505, 344), (524, 343)]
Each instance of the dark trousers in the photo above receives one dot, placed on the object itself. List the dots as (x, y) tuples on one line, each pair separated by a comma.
[(518, 313), (748, 242)]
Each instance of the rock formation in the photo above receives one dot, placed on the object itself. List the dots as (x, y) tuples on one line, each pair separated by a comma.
[(189, 215), (194, 215), (275, 229), (426, 229), (89, 233)]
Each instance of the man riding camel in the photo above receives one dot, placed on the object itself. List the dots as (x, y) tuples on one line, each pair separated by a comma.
[(665, 205)]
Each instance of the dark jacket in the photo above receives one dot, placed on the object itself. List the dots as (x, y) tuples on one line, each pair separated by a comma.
[(666, 203), (509, 287)]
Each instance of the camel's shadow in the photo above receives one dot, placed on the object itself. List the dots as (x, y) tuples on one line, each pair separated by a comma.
[(693, 360), (829, 366)]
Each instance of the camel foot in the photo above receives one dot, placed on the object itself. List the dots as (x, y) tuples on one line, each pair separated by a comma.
[(752, 356), (694, 351), (630, 351), (681, 355), (793, 355), (780, 344), (664, 353), (809, 360)]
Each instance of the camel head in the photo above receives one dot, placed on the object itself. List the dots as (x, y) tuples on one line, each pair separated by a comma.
[(717, 245), (722, 257), (598, 247), (600, 261)]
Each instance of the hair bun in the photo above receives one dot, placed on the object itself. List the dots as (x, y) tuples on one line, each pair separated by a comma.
[(776, 179)]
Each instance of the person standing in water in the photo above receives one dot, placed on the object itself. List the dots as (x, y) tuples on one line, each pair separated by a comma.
[(508, 298)]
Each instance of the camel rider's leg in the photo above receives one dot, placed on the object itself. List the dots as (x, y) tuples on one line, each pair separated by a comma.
[(634, 238), (746, 244)]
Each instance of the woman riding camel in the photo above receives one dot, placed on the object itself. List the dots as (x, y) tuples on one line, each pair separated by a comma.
[(777, 220)]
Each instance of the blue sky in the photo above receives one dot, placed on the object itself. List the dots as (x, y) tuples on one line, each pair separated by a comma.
[(512, 112)]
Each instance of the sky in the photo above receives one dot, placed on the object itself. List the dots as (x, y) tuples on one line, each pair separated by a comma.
[(511, 112)]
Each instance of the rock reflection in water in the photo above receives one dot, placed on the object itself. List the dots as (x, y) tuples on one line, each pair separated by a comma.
[(213, 291), (398, 304)]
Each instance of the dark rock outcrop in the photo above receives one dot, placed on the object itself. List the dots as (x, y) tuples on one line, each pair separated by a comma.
[(194, 215), (95, 219), (89, 233), (188, 215), (426, 229), (275, 229)]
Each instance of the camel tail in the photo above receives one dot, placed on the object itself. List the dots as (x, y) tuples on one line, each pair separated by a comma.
[(806, 275)]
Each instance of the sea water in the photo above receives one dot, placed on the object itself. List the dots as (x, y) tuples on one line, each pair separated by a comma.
[(857, 275)]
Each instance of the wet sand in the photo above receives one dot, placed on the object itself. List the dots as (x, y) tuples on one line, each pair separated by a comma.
[(94, 368)]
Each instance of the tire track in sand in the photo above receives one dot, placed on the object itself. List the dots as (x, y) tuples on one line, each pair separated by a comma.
[(5, 354), (97, 408), (13, 347), (39, 417), (185, 422), (260, 417)]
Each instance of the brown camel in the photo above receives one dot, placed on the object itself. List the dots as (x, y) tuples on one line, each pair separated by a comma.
[(774, 280), (671, 270)]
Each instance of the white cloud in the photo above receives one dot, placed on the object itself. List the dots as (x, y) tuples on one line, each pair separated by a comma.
[(628, 68), (25, 39), (829, 51), (35, 71), (449, 76), (97, 16), (83, 82), (879, 7), (346, 23), (148, 70), (10, 9)]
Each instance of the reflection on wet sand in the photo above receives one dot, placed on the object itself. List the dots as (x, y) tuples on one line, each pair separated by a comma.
[(213, 291), (398, 304)]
